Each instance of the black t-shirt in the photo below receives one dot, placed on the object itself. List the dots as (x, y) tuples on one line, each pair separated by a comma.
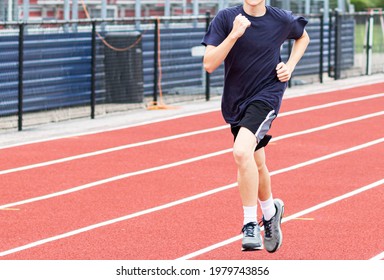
[(250, 67)]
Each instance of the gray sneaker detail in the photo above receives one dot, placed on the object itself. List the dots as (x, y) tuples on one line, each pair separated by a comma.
[(273, 236), (251, 237)]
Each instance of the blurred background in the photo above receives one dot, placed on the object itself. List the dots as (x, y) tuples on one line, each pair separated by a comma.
[(66, 59)]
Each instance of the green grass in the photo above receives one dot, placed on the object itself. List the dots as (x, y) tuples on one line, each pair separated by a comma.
[(360, 37)]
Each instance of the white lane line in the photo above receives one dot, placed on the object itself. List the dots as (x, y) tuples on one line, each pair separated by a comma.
[(110, 150), (378, 257), (327, 105), (152, 121), (177, 202), (190, 160), (177, 136), (116, 178), (188, 115), (330, 125), (294, 216)]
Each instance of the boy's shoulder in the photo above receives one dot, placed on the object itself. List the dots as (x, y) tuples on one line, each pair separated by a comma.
[(281, 14), (278, 11)]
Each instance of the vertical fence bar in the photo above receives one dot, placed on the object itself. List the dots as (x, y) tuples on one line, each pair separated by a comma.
[(330, 27), (337, 45), (207, 75), (21, 69), (321, 47), (369, 44), (155, 58), (93, 70)]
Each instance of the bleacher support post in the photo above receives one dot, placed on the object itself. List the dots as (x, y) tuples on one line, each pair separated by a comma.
[(21, 69)]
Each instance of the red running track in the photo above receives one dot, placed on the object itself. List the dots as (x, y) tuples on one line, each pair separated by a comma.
[(164, 191)]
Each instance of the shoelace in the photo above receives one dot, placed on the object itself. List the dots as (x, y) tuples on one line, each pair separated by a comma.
[(249, 229), (267, 227)]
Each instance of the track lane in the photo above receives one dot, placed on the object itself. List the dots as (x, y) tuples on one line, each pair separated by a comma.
[(62, 176), (70, 146), (85, 202), (377, 105), (100, 163), (293, 103), (161, 234), (288, 122), (74, 145), (226, 133), (326, 141), (61, 181)]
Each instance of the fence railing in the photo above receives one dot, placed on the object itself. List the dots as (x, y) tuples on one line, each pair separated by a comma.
[(53, 70)]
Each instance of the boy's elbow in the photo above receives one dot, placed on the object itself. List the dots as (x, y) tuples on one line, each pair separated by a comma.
[(208, 67)]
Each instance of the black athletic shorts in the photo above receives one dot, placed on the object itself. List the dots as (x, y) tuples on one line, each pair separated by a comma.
[(258, 119)]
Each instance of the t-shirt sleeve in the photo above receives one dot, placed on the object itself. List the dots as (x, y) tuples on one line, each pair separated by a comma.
[(217, 31), (298, 24)]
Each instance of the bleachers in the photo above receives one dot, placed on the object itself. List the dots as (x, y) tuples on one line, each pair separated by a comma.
[(56, 71)]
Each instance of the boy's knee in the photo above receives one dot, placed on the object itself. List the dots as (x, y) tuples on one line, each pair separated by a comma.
[(261, 166), (241, 154)]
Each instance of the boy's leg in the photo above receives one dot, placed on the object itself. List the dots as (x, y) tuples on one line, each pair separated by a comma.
[(273, 209), (248, 183), (265, 190), (247, 174), (250, 136), (264, 177)]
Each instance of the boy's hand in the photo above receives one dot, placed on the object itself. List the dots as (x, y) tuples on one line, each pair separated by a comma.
[(240, 24), (283, 71)]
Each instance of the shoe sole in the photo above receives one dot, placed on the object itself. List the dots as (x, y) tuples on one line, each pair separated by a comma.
[(280, 232), (251, 247)]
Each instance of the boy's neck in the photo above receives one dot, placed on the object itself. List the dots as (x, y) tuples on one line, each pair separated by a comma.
[(255, 10)]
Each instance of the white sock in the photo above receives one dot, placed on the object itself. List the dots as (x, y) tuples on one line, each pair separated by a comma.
[(250, 214), (268, 208)]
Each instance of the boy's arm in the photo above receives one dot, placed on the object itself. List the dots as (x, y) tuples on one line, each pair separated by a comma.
[(284, 70), (214, 56)]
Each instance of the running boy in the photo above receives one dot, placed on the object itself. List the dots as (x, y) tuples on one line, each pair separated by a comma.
[(248, 39)]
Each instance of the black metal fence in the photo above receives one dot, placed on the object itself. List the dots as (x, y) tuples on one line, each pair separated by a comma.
[(51, 71)]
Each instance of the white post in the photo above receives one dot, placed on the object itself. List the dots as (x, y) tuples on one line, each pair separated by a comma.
[(138, 12), (221, 4), (341, 5), (66, 10), (370, 43), (307, 7), (326, 11), (195, 7), (10, 10), (103, 13), (103, 9), (66, 14), (195, 10), (167, 8), (75, 14), (75, 9), (25, 10), (138, 8), (184, 7)]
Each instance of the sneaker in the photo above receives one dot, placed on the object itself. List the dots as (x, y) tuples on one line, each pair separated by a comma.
[(273, 236), (251, 237)]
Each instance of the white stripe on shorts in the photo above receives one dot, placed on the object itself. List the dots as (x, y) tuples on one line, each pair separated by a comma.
[(265, 126)]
